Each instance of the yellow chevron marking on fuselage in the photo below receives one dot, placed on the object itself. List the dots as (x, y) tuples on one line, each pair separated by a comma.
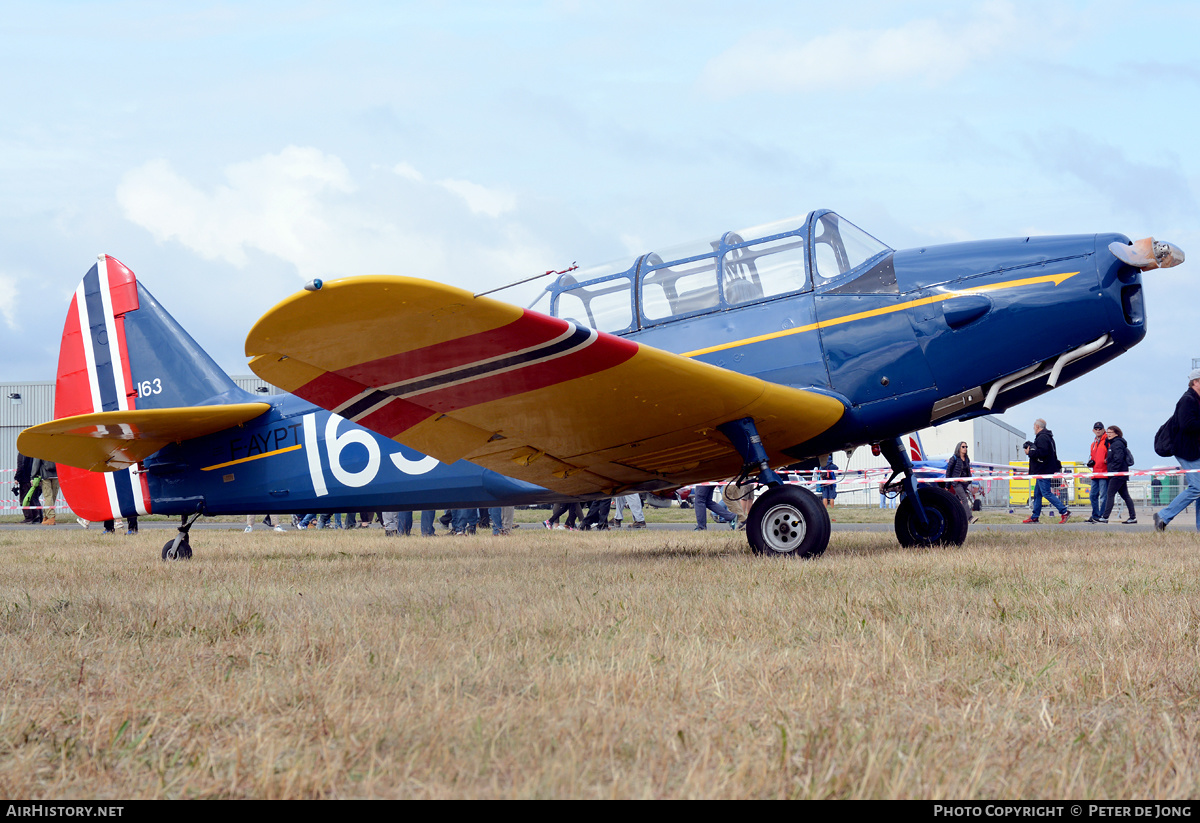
[(1056, 279), (253, 457)]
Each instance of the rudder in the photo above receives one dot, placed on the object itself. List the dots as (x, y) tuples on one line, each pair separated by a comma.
[(122, 351)]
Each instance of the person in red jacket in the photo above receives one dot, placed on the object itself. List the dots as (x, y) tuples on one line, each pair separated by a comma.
[(1119, 461), (1098, 464)]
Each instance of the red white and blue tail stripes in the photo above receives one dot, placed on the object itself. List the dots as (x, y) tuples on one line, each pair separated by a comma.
[(94, 375)]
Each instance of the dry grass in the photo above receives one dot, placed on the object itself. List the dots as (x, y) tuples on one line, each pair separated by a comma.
[(1051, 663)]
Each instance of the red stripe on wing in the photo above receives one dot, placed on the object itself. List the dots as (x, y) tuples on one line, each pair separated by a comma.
[(531, 329), (330, 390), (605, 353), (395, 417), (399, 415)]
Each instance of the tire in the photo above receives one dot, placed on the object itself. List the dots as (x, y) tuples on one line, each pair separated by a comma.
[(184, 552), (947, 520), (788, 521)]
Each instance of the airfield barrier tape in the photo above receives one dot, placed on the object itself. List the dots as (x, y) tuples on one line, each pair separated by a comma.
[(1061, 475), (867, 480)]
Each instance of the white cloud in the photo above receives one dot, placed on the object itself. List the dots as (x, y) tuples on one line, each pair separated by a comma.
[(273, 204), (408, 172), (479, 199), (8, 300), (929, 50), (303, 207)]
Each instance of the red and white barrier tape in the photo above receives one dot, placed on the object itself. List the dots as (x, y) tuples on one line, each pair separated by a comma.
[(1057, 475), (867, 482)]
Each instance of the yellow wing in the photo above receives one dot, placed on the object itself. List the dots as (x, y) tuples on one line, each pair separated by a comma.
[(526, 395), (111, 441)]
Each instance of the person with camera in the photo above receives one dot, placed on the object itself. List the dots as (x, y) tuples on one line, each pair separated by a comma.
[(1043, 459), (1185, 437)]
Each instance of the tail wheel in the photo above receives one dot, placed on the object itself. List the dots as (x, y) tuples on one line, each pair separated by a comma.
[(788, 521), (947, 518), (177, 549)]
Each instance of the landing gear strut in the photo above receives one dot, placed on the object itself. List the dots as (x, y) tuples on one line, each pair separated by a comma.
[(929, 516), (178, 548), (787, 521)]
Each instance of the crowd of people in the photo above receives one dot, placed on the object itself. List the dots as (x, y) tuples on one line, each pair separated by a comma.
[(1111, 456), (601, 515), (458, 522)]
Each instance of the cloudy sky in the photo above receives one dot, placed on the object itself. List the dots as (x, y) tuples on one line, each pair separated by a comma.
[(227, 152)]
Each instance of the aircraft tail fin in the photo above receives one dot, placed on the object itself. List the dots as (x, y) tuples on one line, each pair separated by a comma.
[(916, 451), (122, 352)]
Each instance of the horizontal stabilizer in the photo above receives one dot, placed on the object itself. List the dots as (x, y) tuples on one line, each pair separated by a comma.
[(116, 440)]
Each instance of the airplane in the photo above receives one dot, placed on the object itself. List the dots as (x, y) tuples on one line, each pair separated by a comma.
[(729, 357), (725, 358), (147, 423)]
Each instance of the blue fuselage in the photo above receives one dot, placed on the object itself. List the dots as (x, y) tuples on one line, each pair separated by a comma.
[(298, 458), (922, 336)]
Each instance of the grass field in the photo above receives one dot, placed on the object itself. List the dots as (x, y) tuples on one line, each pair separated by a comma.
[(1042, 664)]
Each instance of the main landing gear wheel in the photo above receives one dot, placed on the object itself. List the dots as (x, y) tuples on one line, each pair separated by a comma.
[(947, 520), (788, 521)]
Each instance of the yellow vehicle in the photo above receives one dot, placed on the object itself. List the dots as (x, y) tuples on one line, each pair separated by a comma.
[(1070, 490)]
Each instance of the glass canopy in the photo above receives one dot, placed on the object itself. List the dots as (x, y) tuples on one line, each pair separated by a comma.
[(738, 268)]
